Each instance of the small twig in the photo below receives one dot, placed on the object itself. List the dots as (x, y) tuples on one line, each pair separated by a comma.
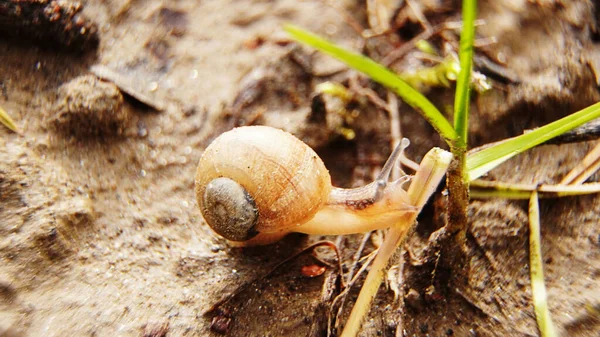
[(585, 169), (396, 133), (357, 256), (351, 276), (343, 294), (367, 92), (252, 118), (484, 42), (398, 53), (349, 19), (400, 322), (395, 130), (419, 14), (494, 70), (323, 305), (481, 189), (399, 294)]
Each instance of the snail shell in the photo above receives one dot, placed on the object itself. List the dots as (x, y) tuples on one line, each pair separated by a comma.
[(259, 179)]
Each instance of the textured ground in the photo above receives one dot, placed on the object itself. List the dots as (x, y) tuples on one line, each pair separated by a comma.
[(100, 234)]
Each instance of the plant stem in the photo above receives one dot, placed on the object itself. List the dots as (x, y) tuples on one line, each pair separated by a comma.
[(457, 178), (458, 192), (538, 288), (425, 182), (493, 189), (463, 82)]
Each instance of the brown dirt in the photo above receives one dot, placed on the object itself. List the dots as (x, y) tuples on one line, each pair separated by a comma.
[(100, 234)]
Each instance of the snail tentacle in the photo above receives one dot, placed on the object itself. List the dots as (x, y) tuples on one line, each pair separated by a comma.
[(387, 168), (384, 176)]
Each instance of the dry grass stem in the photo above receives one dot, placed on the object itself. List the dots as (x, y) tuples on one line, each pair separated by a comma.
[(538, 288), (586, 168)]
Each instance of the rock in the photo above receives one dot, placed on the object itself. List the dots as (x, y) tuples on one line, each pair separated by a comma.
[(87, 107)]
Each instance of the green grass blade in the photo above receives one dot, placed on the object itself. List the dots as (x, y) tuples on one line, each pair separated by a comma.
[(538, 288), (7, 121), (485, 160), (382, 75), (463, 83)]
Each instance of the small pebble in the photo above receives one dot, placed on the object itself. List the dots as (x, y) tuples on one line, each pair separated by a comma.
[(87, 106)]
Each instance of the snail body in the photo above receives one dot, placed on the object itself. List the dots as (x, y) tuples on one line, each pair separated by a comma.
[(260, 180)]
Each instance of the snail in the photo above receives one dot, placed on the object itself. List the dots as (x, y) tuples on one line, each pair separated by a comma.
[(257, 183)]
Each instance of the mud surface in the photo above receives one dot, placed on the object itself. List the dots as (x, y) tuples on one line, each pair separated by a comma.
[(100, 234)]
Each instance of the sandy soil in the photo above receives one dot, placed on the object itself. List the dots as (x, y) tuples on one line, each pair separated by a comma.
[(100, 234)]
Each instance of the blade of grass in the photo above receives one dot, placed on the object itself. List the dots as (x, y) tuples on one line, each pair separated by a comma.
[(463, 87), (7, 121), (485, 160), (538, 288), (379, 74)]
